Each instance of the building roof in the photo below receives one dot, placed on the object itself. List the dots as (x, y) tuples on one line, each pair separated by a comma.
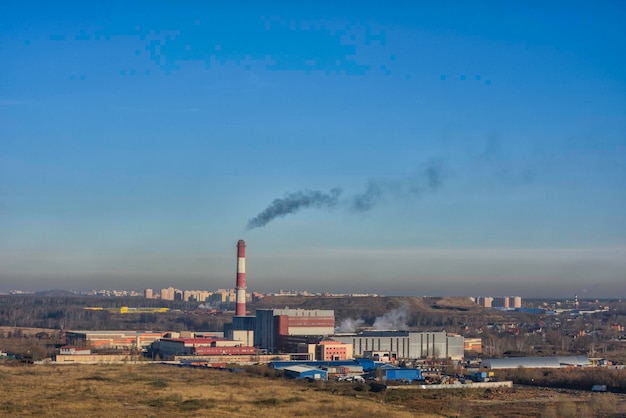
[(301, 369), (574, 360), (383, 333), (364, 363), (331, 342), (88, 333), (299, 312), (194, 340), (535, 362)]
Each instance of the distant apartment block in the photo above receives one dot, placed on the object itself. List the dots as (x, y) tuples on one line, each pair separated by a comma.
[(168, 293), (499, 301)]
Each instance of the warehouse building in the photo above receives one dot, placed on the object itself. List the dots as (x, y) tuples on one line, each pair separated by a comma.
[(119, 340), (535, 362), (98, 358), (305, 372), (170, 347), (406, 344), (363, 365), (403, 374), (71, 350)]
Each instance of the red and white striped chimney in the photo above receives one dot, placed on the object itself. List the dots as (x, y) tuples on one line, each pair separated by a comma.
[(240, 310)]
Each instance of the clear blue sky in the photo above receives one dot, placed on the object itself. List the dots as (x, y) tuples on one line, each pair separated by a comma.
[(434, 148)]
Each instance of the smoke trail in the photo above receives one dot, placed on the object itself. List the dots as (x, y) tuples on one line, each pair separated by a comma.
[(370, 197), (292, 203), (428, 180)]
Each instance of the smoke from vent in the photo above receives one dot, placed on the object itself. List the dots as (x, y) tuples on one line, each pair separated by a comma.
[(395, 319), (350, 325), (428, 180)]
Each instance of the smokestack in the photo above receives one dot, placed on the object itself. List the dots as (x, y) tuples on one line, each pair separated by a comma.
[(240, 310)]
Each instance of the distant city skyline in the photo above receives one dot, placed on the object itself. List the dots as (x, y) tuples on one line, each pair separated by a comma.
[(443, 149)]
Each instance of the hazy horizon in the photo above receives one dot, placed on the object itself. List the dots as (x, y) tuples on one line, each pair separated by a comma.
[(431, 148)]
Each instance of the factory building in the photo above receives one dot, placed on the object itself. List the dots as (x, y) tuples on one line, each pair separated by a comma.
[(283, 329), (333, 350), (71, 350), (169, 347), (98, 358), (473, 344), (274, 330), (455, 347), (119, 340), (241, 329), (326, 350), (405, 344), (222, 360)]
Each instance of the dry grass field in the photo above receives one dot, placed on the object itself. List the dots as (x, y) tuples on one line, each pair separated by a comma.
[(166, 391), (157, 390)]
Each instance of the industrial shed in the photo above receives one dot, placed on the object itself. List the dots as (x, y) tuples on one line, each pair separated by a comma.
[(535, 362), (304, 372), (575, 361), (366, 364), (403, 374)]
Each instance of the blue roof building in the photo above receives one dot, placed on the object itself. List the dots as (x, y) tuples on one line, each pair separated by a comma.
[(304, 372)]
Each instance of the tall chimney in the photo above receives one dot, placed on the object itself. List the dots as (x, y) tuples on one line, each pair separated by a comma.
[(240, 310)]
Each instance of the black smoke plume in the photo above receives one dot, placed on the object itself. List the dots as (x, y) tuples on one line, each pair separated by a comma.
[(292, 203), (428, 180)]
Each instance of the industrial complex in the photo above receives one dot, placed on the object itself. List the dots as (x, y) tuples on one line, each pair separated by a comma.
[(304, 344), (293, 334)]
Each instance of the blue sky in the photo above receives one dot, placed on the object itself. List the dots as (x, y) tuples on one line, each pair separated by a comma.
[(484, 141)]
